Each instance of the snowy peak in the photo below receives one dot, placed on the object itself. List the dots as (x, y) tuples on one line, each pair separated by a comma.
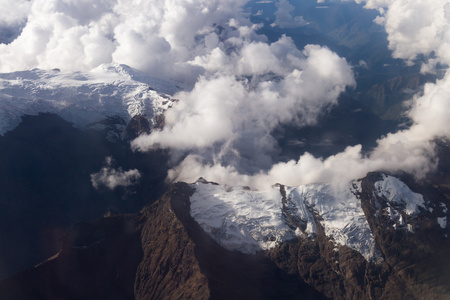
[(249, 221), (124, 71), (83, 98), (239, 218), (397, 193), (397, 206), (338, 211)]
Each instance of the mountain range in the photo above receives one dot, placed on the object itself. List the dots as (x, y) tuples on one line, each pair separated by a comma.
[(92, 205), (391, 244)]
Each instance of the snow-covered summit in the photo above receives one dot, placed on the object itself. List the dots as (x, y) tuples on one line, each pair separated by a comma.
[(249, 221), (239, 218), (398, 193), (83, 97), (352, 215)]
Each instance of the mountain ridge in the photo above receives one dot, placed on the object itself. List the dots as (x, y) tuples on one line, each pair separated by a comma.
[(83, 98), (180, 260)]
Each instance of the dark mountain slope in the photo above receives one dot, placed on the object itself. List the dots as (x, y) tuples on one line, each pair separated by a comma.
[(98, 261), (167, 255), (45, 167), (171, 256)]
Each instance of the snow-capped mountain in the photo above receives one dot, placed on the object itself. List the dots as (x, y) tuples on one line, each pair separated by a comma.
[(249, 221), (316, 240), (83, 98)]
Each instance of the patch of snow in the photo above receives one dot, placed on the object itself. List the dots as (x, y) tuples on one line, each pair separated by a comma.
[(401, 220), (390, 212), (357, 186), (396, 217), (398, 193), (444, 208), (442, 222), (82, 98)]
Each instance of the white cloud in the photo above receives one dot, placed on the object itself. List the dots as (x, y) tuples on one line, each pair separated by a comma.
[(414, 28), (410, 150), (112, 178), (394, 153), (230, 115), (242, 87), (13, 12), (158, 37), (284, 18)]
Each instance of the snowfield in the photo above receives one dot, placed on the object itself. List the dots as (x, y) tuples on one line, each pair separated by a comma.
[(249, 221), (83, 98)]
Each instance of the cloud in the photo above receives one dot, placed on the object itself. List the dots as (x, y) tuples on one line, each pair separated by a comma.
[(13, 15), (393, 154), (112, 178), (240, 87), (13, 12), (415, 27), (283, 17), (410, 150), (229, 116), (158, 37)]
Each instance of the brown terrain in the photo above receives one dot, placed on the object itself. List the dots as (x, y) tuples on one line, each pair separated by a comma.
[(162, 253)]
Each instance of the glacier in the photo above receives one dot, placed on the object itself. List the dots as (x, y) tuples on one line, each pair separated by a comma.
[(249, 221), (83, 98)]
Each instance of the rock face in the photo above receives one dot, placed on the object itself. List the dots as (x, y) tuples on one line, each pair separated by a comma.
[(169, 268), (163, 253), (182, 262), (413, 246)]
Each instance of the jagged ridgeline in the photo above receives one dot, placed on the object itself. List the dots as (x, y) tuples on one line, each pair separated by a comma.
[(392, 244)]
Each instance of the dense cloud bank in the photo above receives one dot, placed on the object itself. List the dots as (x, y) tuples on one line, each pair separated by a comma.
[(415, 28), (240, 87)]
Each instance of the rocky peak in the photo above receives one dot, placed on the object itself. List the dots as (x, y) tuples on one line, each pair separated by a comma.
[(168, 253)]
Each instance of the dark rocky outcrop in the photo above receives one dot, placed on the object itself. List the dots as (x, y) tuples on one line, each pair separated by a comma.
[(169, 268), (414, 265), (138, 125), (417, 253)]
